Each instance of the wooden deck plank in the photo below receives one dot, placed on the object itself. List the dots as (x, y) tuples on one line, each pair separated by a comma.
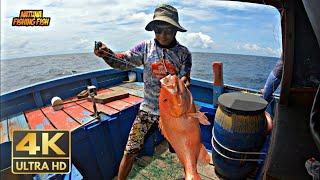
[(60, 119), (132, 99), (37, 120), (110, 96), (81, 101), (17, 122), (70, 99), (78, 113), (117, 88), (67, 105), (119, 105), (100, 107), (135, 85), (101, 91), (4, 131), (134, 92)]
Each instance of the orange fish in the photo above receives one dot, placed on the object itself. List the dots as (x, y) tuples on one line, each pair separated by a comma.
[(179, 123)]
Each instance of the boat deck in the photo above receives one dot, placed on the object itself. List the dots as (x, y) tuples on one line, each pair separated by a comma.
[(72, 116), (165, 165), (77, 113)]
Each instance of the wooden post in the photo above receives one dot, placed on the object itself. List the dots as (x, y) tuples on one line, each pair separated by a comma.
[(288, 50), (218, 87)]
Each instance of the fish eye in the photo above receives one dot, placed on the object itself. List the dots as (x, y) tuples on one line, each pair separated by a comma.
[(165, 100)]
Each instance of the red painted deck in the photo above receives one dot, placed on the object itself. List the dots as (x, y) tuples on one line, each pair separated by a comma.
[(80, 114), (132, 99), (37, 120), (60, 119), (100, 91), (74, 114), (119, 105), (100, 107)]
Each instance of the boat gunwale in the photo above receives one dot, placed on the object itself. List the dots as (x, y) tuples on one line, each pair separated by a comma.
[(38, 87), (55, 82)]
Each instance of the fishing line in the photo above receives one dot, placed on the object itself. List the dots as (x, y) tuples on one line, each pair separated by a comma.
[(113, 57)]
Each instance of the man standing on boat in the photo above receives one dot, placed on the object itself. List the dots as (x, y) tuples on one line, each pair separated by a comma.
[(271, 85), (160, 56)]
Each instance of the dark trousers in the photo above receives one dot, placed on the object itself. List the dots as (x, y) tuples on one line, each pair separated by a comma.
[(152, 129)]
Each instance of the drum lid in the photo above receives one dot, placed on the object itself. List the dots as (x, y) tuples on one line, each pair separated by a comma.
[(242, 103)]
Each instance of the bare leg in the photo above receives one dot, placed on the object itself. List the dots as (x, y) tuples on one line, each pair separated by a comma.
[(126, 165)]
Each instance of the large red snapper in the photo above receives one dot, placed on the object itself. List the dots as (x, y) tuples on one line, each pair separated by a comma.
[(179, 123)]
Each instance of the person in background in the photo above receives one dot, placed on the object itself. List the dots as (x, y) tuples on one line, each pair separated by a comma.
[(273, 81), (271, 85), (160, 56)]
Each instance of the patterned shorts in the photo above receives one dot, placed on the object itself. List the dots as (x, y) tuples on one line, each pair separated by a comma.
[(141, 125)]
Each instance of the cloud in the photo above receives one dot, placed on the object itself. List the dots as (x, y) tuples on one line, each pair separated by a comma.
[(199, 14), (228, 5), (196, 40), (111, 21), (24, 44), (268, 51), (75, 25), (251, 47)]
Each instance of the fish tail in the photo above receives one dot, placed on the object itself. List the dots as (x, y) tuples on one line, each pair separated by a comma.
[(203, 157), (203, 118)]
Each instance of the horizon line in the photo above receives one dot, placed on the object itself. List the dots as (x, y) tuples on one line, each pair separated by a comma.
[(123, 51)]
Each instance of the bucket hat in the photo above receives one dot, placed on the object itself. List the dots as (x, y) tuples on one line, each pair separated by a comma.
[(166, 13)]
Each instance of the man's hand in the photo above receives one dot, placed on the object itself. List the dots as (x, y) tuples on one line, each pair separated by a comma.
[(186, 81), (102, 51)]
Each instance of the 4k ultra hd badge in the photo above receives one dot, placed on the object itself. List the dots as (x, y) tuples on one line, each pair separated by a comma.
[(41, 152)]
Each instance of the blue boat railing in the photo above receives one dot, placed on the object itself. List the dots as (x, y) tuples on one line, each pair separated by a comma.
[(40, 94)]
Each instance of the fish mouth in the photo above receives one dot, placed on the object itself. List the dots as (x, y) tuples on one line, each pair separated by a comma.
[(170, 82)]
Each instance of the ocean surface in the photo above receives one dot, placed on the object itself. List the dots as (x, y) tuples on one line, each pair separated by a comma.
[(239, 70)]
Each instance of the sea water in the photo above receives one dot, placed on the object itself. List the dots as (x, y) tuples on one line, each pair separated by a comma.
[(240, 70)]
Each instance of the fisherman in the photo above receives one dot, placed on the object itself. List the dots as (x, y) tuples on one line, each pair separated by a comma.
[(160, 56), (271, 85), (273, 81)]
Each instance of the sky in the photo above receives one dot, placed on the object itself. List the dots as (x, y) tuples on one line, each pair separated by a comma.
[(213, 26)]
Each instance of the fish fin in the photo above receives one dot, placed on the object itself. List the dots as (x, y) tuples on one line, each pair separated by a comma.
[(197, 107), (201, 117), (203, 157), (161, 128)]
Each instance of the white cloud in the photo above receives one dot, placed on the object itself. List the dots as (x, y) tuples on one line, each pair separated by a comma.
[(75, 24), (196, 40), (268, 51), (109, 21), (251, 47), (229, 5), (199, 14)]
